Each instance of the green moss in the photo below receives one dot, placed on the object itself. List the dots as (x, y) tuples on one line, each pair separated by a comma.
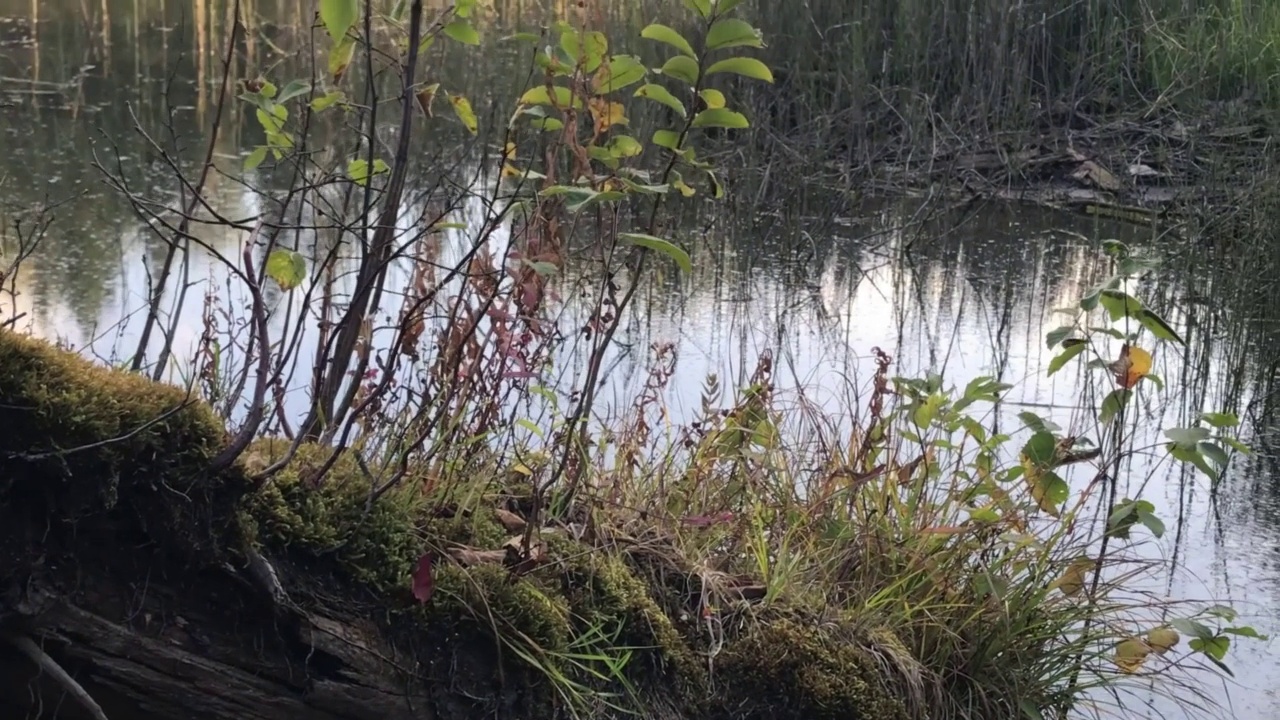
[(142, 455), (488, 598), (605, 590), (376, 544), (781, 668), (81, 440)]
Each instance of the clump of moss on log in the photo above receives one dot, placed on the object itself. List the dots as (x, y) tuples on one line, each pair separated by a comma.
[(585, 629), (81, 441)]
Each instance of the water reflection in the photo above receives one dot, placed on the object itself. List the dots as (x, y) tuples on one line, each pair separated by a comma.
[(815, 279)]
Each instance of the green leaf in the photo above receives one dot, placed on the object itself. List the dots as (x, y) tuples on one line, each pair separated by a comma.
[(547, 124), (1220, 420), (273, 122), (595, 45), (1214, 452), (665, 247), (667, 139), (358, 170), (1158, 326), (1214, 647), (1036, 423), (731, 32), (570, 43), (324, 101), (702, 7), (745, 66), (1065, 356), (1152, 523), (1192, 628), (624, 146), (580, 198), (1050, 492), (681, 68), (558, 96), (293, 90), (1193, 456), (1187, 437), (658, 93), (1041, 448), (721, 118), (717, 188), (713, 98), (287, 267), (1226, 612), (1245, 631), (528, 425), (667, 35), (1236, 445), (462, 31), (1112, 404), (1057, 335), (340, 57), (256, 157), (621, 71), (1119, 304), (462, 108), (338, 16)]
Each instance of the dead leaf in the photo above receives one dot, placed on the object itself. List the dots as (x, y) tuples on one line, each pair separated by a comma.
[(1134, 363), (1163, 639), (424, 583), (1131, 654), (470, 557), (1074, 577), (1090, 172), (426, 96), (511, 521)]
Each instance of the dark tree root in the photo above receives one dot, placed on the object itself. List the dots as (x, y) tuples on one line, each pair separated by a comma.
[(28, 647)]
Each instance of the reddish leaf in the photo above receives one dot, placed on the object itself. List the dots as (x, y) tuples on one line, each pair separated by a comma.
[(424, 583)]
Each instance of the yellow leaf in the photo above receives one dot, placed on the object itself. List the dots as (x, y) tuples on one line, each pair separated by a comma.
[(684, 188), (1073, 579), (607, 114), (1163, 639), (1133, 365), (426, 96), (1131, 654), (340, 57), (713, 98), (522, 469), (511, 171), (462, 108)]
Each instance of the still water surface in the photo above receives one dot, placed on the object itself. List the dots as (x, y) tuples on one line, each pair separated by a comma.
[(816, 280)]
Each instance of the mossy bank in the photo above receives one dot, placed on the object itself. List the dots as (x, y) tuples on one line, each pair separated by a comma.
[(111, 520)]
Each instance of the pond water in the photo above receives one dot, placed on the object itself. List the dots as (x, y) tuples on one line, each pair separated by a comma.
[(816, 280)]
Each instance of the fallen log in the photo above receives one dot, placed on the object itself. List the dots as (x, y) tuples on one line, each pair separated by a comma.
[(137, 585)]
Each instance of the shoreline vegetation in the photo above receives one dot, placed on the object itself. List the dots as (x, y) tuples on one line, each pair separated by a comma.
[(438, 534)]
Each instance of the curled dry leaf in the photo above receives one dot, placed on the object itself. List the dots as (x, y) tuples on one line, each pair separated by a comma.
[(1074, 577), (470, 557), (1163, 639), (511, 521), (1131, 654), (424, 583), (1133, 365)]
